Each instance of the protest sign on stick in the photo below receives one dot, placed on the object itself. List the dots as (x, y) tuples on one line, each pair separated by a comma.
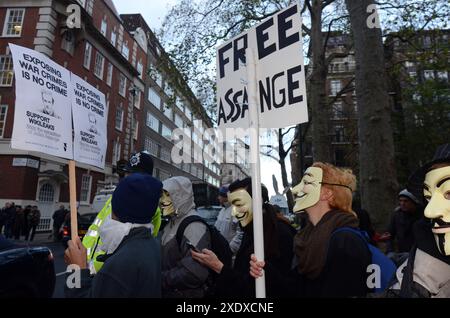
[(261, 83)]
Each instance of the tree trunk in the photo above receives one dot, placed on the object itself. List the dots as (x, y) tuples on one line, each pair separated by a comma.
[(317, 97), (378, 180)]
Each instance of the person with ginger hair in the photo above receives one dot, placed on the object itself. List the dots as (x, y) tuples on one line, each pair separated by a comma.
[(327, 262)]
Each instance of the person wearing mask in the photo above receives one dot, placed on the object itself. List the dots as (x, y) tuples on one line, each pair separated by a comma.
[(329, 261), (235, 281), (182, 277), (228, 225), (400, 228), (132, 263), (141, 162), (426, 273)]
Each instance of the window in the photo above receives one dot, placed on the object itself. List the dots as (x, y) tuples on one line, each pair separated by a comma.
[(339, 133), (113, 37), (104, 27), (67, 42), (151, 146), (427, 42), (119, 118), (46, 193), (428, 74), (168, 90), (136, 128), (178, 121), (137, 100), (82, 3), (188, 113), (85, 193), (109, 74), (140, 69), (442, 75), (122, 85), (338, 111), (152, 122), (90, 6), (3, 113), (154, 98), (99, 65), (13, 22), (6, 71), (87, 55), (125, 51), (168, 111), (166, 132), (117, 149), (158, 78), (335, 87), (165, 155), (179, 104)]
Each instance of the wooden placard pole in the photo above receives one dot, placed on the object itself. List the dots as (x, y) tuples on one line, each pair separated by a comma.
[(73, 201)]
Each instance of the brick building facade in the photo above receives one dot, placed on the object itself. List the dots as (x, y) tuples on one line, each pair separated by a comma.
[(102, 52)]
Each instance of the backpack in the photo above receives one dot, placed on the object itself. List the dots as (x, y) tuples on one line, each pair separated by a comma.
[(219, 244), (387, 266)]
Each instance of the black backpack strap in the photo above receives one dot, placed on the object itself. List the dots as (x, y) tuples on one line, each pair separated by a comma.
[(184, 224)]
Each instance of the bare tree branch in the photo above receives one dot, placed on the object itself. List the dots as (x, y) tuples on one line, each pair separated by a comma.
[(346, 89), (329, 29), (287, 132)]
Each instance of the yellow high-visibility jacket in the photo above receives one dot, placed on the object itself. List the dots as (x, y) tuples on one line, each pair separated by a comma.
[(92, 241)]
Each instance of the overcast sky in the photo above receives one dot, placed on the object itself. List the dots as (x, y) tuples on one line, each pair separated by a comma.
[(154, 12)]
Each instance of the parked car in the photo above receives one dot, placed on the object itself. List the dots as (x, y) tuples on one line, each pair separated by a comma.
[(26, 272), (84, 222), (209, 213)]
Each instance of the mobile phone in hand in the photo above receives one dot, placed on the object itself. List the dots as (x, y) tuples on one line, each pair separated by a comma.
[(192, 247)]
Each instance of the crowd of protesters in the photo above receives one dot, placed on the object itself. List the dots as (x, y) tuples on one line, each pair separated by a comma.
[(17, 222), (128, 253)]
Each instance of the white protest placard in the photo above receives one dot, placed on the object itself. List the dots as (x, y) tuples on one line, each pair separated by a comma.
[(281, 90), (42, 117), (89, 121)]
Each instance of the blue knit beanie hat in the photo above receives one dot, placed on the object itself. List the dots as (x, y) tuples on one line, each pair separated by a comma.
[(136, 198)]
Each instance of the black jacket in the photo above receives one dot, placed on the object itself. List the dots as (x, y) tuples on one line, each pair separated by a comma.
[(132, 271), (344, 273), (401, 229), (237, 282), (426, 243)]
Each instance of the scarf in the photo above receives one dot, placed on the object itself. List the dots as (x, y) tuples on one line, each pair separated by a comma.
[(113, 232), (311, 243)]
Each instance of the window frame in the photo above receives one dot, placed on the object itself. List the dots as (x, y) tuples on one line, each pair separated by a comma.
[(4, 71), (6, 23), (3, 128), (88, 190), (102, 72), (87, 56)]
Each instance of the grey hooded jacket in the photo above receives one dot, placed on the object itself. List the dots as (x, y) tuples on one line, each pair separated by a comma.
[(183, 277)]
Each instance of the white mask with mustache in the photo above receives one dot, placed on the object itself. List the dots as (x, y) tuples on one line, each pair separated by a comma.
[(437, 193), (307, 192), (242, 206)]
